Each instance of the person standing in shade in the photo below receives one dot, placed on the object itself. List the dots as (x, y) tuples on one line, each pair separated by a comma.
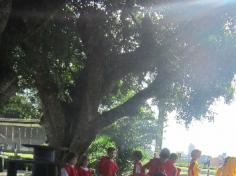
[(156, 166), (137, 170), (83, 169), (170, 168), (107, 165), (69, 168)]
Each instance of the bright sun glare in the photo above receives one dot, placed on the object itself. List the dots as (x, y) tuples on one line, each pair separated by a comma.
[(213, 138)]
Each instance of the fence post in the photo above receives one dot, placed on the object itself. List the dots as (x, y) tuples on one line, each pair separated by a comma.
[(1, 164)]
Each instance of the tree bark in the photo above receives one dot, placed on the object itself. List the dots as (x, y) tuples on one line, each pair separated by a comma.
[(8, 80), (160, 126), (8, 88), (5, 9)]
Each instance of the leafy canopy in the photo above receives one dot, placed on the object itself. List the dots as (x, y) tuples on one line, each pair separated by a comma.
[(94, 62)]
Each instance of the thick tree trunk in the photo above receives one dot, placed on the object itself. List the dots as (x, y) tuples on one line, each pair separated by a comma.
[(8, 80), (8, 88), (161, 126), (5, 9), (81, 140), (54, 118)]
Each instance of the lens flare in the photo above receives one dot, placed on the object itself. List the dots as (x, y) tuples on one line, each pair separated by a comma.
[(191, 9)]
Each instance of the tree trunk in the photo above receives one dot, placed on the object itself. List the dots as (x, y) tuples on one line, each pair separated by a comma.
[(5, 9), (8, 88), (81, 140), (161, 126), (8, 80)]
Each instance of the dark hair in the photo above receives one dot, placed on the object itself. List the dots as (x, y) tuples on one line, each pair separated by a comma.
[(138, 154), (173, 156), (70, 156), (82, 159), (110, 150), (194, 152), (165, 153)]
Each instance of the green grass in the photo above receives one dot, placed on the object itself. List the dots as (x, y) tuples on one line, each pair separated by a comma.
[(184, 169), (19, 155)]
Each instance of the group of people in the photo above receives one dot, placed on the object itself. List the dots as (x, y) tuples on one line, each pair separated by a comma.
[(107, 165), (164, 165)]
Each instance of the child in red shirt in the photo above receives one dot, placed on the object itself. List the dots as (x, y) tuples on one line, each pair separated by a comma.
[(83, 169), (157, 165), (170, 168), (107, 166), (137, 156), (69, 167)]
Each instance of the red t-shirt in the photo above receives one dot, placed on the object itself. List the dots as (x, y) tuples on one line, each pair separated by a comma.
[(84, 172), (155, 166), (107, 166), (170, 169), (71, 171), (137, 171)]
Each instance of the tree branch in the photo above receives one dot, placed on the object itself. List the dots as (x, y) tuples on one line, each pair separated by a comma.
[(132, 106), (146, 57), (138, 61)]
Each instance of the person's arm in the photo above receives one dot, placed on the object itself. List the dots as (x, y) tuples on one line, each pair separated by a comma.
[(91, 173), (146, 166), (116, 168), (178, 171), (63, 172), (190, 169), (138, 169), (98, 167), (190, 173), (175, 171)]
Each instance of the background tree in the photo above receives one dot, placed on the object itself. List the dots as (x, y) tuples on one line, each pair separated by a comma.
[(83, 56), (24, 105), (127, 135)]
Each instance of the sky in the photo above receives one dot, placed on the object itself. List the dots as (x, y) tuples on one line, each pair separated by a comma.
[(212, 138)]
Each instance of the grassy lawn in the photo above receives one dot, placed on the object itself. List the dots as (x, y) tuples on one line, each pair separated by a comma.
[(184, 170), (20, 155)]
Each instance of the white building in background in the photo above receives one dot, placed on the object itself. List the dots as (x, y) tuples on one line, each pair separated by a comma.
[(191, 147)]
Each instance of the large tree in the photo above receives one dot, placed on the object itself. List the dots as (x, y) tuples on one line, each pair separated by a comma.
[(84, 56)]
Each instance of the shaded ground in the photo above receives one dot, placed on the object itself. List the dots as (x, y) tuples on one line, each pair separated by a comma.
[(20, 173)]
